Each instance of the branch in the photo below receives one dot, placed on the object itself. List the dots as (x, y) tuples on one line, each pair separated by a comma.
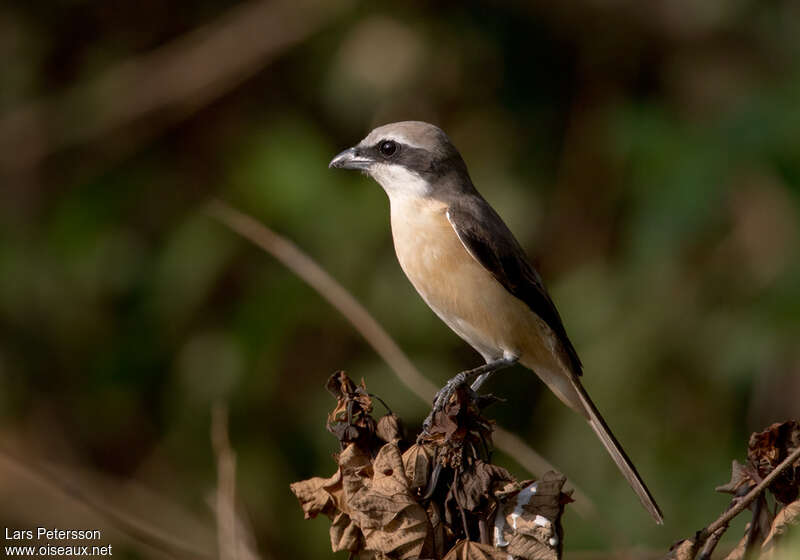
[(226, 484), (318, 278), (180, 77), (726, 517), (135, 528)]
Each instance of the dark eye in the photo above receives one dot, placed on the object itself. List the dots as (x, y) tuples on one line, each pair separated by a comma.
[(388, 148)]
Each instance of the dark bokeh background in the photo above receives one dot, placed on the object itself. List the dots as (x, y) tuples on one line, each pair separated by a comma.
[(647, 155)]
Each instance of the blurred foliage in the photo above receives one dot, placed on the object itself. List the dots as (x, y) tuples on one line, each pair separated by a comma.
[(647, 155)]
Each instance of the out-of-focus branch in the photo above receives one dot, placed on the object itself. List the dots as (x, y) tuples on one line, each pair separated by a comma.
[(319, 279), (172, 81), (706, 539), (235, 539), (743, 503), (226, 484), (136, 528)]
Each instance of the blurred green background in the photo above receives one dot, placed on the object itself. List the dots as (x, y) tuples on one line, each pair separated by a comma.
[(647, 156)]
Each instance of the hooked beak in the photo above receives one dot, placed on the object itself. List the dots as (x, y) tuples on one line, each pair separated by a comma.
[(351, 158)]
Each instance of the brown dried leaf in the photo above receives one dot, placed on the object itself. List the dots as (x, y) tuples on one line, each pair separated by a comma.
[(403, 537), (317, 495), (741, 480), (740, 550), (787, 517), (389, 429), (417, 465), (353, 458), (342, 387), (760, 525), (385, 510), (439, 535), (353, 404), (446, 424), (345, 535), (522, 546), (457, 418), (370, 555), (344, 432), (768, 448), (468, 550), (683, 550), (356, 468), (475, 488), (528, 521), (386, 494)]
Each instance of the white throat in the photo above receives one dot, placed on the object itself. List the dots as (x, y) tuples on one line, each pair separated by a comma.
[(399, 182)]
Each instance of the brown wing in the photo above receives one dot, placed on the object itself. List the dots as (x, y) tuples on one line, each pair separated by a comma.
[(487, 238)]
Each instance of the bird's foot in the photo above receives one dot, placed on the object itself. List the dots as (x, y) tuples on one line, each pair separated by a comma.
[(443, 397), (481, 373)]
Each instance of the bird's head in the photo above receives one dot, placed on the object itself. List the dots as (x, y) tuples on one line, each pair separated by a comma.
[(409, 158)]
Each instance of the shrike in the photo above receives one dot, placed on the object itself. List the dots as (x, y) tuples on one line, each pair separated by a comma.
[(469, 268)]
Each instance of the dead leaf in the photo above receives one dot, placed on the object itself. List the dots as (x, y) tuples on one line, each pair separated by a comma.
[(369, 555), (459, 417), (372, 500), (316, 495), (468, 550), (475, 486), (403, 537), (761, 523), (386, 494), (446, 421), (417, 466), (740, 550), (385, 510), (787, 517), (768, 448), (356, 468), (521, 546), (682, 550), (439, 535), (344, 432), (343, 388), (741, 480), (528, 521), (350, 421), (345, 535), (389, 428)]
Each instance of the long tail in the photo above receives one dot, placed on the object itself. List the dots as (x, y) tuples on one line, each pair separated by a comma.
[(618, 454)]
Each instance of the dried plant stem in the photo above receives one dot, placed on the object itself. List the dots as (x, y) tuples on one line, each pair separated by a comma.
[(456, 477), (484, 531), (743, 503), (226, 484), (319, 279), (135, 528), (376, 336), (753, 528), (711, 543), (169, 82)]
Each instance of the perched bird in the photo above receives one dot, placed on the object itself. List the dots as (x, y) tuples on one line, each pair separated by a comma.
[(468, 267)]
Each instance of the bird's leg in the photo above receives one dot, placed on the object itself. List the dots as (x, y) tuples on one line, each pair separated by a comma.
[(506, 361), (482, 378), (482, 373)]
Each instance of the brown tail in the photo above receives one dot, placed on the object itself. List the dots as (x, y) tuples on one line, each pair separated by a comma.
[(617, 453)]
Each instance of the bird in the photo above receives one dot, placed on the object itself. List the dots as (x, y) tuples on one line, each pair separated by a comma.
[(469, 268)]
